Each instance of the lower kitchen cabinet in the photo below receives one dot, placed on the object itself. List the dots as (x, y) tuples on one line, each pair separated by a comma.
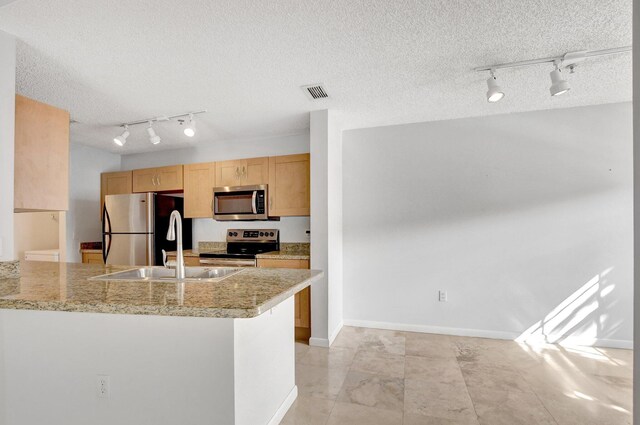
[(92, 258), (188, 261), (302, 298)]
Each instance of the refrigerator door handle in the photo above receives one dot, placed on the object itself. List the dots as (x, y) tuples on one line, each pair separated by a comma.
[(106, 223), (106, 248)]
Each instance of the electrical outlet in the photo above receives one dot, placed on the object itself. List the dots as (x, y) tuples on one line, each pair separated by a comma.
[(103, 386), (442, 296)]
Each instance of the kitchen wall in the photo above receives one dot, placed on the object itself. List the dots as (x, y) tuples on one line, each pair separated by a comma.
[(83, 217), (35, 230), (7, 122), (292, 229), (525, 220)]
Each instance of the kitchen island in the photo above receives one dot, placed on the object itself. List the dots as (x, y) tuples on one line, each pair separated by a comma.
[(142, 352)]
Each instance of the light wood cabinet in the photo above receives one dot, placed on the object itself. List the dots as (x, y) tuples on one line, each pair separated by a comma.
[(41, 161), (159, 179), (289, 185), (199, 181), (116, 183), (302, 299), (188, 261), (242, 172), (92, 258)]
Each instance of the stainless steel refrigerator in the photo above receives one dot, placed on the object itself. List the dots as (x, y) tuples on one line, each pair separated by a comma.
[(134, 228)]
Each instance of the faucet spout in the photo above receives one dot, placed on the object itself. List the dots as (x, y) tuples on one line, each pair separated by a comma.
[(175, 227)]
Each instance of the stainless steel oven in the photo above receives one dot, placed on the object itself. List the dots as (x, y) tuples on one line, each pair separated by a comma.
[(243, 245), (240, 203)]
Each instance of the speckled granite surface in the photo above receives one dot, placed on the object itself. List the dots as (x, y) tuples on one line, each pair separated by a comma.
[(9, 269), (65, 287), (211, 246), (289, 251)]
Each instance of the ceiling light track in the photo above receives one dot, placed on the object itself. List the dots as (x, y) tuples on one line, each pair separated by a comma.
[(162, 118), (568, 59)]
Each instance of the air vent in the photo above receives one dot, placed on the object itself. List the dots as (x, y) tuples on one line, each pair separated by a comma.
[(315, 91)]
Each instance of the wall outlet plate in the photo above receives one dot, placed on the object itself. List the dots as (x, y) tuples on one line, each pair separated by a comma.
[(103, 386), (442, 296)]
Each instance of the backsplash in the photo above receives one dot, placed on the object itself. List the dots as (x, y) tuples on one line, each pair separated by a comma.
[(297, 247), (9, 269)]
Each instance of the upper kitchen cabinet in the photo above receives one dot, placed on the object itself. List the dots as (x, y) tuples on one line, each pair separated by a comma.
[(116, 183), (160, 179), (199, 181), (289, 185), (41, 157), (242, 172)]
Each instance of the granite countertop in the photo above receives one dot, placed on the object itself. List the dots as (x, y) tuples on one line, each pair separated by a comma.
[(285, 255), (65, 287), (186, 253)]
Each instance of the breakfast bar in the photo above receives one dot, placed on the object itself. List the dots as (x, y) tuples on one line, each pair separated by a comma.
[(144, 351)]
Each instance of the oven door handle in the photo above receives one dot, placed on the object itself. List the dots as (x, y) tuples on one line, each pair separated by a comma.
[(254, 205), (227, 262)]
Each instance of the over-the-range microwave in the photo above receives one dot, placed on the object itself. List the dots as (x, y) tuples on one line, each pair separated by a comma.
[(240, 203)]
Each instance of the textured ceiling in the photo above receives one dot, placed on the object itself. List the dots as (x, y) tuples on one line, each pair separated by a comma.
[(383, 62)]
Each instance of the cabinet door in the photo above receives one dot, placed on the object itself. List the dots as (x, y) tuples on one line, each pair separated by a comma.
[(145, 180), (158, 179), (170, 178), (257, 171), (92, 258), (229, 173), (289, 185), (114, 184), (41, 156), (302, 299), (199, 181)]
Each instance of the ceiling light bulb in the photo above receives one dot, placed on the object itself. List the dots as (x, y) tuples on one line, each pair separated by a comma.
[(494, 92), (153, 137), (190, 129), (558, 84), (122, 139)]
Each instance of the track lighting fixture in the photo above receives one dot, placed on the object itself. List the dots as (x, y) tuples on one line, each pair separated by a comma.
[(190, 129), (494, 92), (153, 137), (558, 84), (122, 139)]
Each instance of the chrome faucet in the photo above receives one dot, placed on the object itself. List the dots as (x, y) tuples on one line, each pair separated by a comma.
[(175, 224)]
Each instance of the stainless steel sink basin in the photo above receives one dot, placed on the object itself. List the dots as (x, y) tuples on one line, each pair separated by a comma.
[(163, 274)]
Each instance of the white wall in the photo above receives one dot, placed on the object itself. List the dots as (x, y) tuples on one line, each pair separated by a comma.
[(326, 226), (35, 230), (636, 210), (510, 214), (83, 217), (7, 123), (292, 229)]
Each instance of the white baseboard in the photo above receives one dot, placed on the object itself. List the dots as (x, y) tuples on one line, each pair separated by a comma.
[(336, 331), (284, 407), (319, 342), (479, 333)]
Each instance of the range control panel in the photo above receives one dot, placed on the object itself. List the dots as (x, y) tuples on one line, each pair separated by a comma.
[(253, 235)]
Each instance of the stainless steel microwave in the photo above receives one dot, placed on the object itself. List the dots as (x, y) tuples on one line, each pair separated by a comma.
[(240, 203)]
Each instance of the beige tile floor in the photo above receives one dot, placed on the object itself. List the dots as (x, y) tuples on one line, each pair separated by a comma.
[(378, 377)]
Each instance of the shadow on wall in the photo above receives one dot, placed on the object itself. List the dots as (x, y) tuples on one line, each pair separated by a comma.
[(579, 319)]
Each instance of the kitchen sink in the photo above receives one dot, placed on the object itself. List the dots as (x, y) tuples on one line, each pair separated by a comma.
[(163, 274)]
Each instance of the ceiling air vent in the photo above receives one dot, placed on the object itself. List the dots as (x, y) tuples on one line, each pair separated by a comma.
[(315, 91)]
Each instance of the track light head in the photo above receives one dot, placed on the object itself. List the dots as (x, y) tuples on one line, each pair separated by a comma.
[(122, 139), (153, 137), (558, 84), (494, 92), (190, 129)]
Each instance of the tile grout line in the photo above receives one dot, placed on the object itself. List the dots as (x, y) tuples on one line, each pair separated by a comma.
[(537, 396), (466, 386)]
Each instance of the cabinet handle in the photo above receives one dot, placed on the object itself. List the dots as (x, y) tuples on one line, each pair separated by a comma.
[(153, 180), (244, 172), (237, 172), (159, 180)]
